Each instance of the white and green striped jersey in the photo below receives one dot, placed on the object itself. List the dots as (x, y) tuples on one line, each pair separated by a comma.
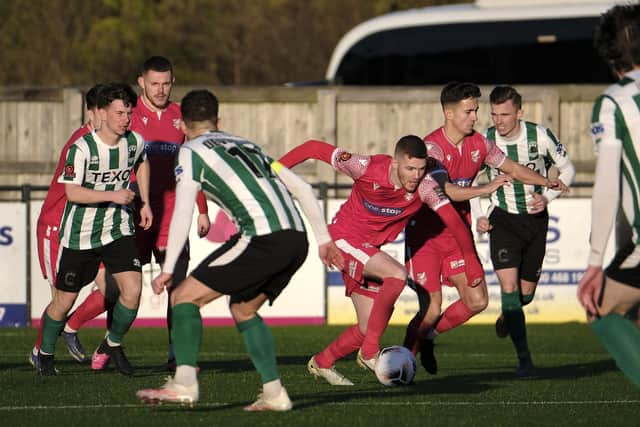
[(615, 128), (535, 147), (95, 165), (237, 175)]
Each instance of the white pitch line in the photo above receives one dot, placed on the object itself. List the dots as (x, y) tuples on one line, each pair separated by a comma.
[(387, 403), (471, 403)]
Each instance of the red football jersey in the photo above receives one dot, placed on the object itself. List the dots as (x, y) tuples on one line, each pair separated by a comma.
[(376, 211), (162, 139), (462, 162), (53, 206)]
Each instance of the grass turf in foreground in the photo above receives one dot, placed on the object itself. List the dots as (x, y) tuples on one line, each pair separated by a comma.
[(576, 383)]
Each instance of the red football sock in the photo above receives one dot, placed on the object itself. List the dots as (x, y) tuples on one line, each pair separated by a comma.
[(380, 314), (455, 315), (348, 342), (39, 339), (90, 308)]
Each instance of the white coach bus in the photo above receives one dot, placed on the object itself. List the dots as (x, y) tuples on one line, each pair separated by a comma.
[(486, 42)]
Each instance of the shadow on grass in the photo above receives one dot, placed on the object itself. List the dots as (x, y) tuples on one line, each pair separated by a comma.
[(463, 384)]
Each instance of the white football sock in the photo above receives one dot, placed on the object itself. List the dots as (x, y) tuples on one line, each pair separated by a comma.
[(272, 389), (186, 375)]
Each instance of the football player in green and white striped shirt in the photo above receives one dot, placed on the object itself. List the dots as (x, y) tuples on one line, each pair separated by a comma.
[(254, 266), (97, 224), (517, 218), (615, 127)]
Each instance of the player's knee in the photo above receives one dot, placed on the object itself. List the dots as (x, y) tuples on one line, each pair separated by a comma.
[(61, 304), (242, 312), (477, 303), (130, 296)]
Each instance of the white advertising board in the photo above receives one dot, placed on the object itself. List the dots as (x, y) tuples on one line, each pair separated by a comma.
[(302, 302), (13, 268), (555, 300)]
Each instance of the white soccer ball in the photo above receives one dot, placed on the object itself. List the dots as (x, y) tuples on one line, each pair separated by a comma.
[(395, 366)]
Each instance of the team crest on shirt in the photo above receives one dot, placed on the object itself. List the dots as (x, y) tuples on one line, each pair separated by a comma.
[(375, 186), (69, 172), (448, 157), (176, 123), (408, 196), (344, 156), (145, 120), (561, 150), (475, 156)]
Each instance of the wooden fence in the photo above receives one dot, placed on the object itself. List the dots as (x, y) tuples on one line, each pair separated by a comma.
[(35, 123)]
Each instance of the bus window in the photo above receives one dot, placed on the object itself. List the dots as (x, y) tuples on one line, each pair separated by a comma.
[(542, 51)]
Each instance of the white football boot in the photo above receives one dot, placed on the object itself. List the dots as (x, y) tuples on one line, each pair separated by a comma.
[(331, 375)]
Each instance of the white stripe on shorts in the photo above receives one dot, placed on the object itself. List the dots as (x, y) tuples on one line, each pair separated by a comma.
[(632, 260), (234, 252), (358, 254), (46, 249)]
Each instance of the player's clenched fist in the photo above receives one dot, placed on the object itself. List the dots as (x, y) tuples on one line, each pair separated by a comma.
[(558, 185), (123, 196), (331, 255)]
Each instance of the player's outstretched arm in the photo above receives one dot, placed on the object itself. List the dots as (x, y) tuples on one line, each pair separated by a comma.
[(527, 176), (329, 253), (311, 149), (458, 193)]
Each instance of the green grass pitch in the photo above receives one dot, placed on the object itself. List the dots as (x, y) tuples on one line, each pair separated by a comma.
[(576, 383)]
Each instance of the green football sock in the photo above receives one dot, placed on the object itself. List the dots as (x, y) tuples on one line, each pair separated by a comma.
[(514, 319), (258, 341), (123, 317), (526, 298), (186, 333), (622, 339), (50, 331)]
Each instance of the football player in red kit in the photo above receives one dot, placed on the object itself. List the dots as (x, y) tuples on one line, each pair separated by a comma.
[(387, 191), (432, 253)]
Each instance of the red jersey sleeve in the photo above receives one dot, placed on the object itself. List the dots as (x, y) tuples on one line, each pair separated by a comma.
[(311, 149), (434, 151), (495, 156), (353, 165), (431, 193)]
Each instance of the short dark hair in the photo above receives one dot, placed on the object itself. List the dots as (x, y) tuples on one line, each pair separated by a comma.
[(455, 92), (617, 37), (113, 91), (501, 94), (411, 145), (157, 63), (199, 106), (91, 97)]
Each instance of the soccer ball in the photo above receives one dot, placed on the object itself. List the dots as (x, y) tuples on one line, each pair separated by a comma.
[(395, 366)]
